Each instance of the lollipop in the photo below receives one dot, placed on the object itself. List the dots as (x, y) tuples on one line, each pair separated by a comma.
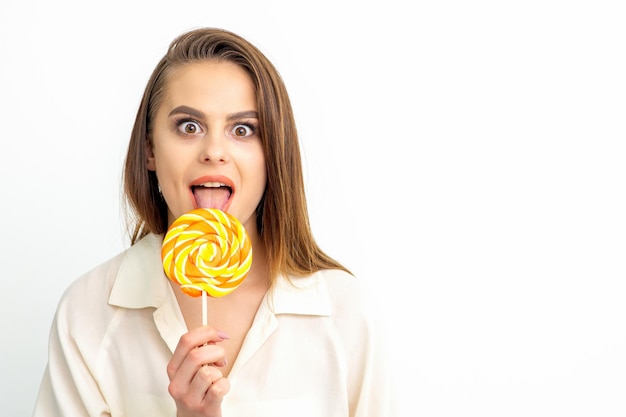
[(206, 251)]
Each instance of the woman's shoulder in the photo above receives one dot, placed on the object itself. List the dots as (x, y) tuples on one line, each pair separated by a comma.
[(357, 311), (344, 287), (351, 297), (92, 288)]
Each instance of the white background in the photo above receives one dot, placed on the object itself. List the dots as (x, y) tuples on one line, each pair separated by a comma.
[(466, 157)]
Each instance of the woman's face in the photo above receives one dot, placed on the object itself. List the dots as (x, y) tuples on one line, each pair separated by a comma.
[(205, 146)]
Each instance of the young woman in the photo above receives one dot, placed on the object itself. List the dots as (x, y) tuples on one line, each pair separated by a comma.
[(215, 129)]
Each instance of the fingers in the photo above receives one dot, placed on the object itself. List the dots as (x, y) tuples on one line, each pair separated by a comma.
[(196, 382), (205, 391), (191, 346), (209, 386), (195, 360), (217, 391)]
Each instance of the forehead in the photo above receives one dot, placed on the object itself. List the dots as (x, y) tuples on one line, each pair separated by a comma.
[(209, 74), (221, 82)]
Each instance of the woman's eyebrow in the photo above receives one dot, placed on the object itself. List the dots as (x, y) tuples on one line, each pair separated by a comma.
[(251, 114), (187, 110)]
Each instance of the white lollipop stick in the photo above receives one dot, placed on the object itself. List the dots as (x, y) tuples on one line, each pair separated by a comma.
[(204, 315)]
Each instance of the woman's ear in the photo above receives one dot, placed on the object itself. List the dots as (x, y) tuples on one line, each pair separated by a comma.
[(150, 164)]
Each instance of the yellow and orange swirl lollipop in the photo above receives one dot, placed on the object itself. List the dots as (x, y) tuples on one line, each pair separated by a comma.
[(207, 250)]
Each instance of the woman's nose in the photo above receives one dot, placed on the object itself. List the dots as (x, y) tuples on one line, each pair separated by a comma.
[(214, 148)]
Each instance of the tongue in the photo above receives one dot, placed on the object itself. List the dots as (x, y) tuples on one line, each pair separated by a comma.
[(211, 197)]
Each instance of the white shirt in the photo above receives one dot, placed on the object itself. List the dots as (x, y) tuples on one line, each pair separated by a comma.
[(311, 351)]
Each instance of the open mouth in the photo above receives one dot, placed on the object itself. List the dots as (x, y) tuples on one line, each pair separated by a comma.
[(212, 194)]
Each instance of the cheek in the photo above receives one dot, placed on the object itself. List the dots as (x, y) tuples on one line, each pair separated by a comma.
[(253, 161), (261, 170), (169, 156), (256, 175), (168, 171)]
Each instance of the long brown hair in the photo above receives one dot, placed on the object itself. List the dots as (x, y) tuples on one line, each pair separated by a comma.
[(282, 217)]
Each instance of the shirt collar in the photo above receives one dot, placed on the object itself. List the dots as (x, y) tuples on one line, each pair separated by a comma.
[(141, 283), (301, 295)]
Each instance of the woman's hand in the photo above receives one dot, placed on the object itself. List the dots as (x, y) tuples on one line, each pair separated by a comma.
[(196, 383)]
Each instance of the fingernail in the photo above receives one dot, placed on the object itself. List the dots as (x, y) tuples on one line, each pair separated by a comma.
[(222, 335)]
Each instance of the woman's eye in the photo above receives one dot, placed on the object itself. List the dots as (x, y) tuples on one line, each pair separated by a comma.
[(243, 131), (189, 127)]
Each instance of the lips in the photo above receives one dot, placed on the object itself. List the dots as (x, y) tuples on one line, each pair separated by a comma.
[(212, 192)]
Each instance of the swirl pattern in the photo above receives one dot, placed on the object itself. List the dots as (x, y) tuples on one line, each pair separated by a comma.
[(207, 250)]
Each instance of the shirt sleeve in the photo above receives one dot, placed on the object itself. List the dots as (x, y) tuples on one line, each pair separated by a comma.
[(374, 389), (68, 386), (371, 374)]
